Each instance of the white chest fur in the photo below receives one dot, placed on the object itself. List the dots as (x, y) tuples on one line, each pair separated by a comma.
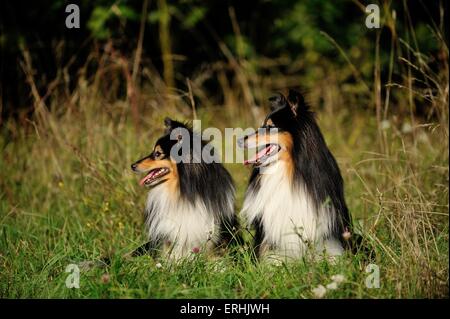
[(288, 215), (182, 224)]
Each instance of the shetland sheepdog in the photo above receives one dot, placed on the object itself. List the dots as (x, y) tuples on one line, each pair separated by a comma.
[(295, 197), (190, 203)]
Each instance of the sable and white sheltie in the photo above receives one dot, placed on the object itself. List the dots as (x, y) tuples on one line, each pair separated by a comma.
[(190, 204), (295, 198)]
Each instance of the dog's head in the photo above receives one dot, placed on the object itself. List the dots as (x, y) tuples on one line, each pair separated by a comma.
[(274, 139), (160, 166)]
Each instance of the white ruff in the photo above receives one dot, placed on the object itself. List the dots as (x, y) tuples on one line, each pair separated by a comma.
[(288, 216), (184, 225)]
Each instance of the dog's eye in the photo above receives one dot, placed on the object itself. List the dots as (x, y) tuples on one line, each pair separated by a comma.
[(157, 154)]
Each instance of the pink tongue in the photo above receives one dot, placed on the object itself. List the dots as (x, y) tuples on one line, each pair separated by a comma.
[(258, 155), (148, 176)]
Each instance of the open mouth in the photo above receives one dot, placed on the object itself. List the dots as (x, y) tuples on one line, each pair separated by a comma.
[(263, 155), (153, 176)]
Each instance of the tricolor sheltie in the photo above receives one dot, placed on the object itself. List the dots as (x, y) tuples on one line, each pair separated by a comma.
[(190, 203), (295, 198)]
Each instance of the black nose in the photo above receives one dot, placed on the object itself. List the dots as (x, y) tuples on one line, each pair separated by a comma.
[(133, 166)]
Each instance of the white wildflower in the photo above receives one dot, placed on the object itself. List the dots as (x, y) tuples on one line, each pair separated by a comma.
[(332, 286), (338, 278), (319, 291)]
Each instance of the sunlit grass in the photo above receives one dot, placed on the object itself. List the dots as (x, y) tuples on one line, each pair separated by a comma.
[(76, 199)]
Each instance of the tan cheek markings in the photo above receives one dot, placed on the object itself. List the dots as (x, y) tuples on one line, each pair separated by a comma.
[(172, 180), (286, 143), (145, 164), (151, 164), (172, 177)]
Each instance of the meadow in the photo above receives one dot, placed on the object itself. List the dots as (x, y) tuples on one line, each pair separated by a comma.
[(67, 193)]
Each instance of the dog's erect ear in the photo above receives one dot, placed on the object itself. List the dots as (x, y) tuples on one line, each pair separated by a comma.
[(171, 125), (278, 101), (296, 101), (168, 123)]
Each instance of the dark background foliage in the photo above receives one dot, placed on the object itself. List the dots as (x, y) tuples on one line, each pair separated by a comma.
[(266, 29)]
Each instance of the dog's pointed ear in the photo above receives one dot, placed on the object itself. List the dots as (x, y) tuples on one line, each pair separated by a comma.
[(296, 101), (278, 101), (168, 123)]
